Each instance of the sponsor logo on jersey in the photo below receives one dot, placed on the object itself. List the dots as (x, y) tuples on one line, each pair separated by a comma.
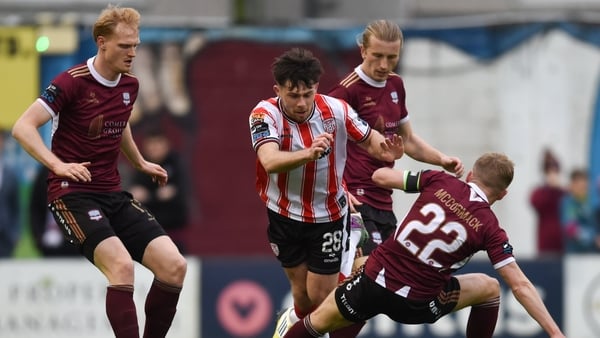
[(259, 128), (325, 153), (257, 118), (367, 102), (258, 136), (92, 98), (51, 93)]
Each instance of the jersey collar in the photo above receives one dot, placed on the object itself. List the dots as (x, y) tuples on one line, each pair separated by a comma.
[(478, 191), (367, 79), (98, 77)]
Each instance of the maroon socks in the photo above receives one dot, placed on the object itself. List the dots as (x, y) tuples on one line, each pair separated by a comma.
[(482, 319), (348, 331), (161, 305), (120, 310), (302, 329)]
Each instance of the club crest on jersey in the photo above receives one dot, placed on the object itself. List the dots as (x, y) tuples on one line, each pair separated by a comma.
[(394, 96), (126, 98), (329, 125)]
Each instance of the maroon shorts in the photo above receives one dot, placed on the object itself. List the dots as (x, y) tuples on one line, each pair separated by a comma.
[(86, 219)]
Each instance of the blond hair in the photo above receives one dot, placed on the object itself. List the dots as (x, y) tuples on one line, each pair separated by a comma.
[(494, 170), (383, 30), (111, 16)]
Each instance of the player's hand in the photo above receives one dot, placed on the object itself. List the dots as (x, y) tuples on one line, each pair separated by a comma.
[(77, 172), (393, 148), (321, 146), (352, 202), (158, 173), (453, 165)]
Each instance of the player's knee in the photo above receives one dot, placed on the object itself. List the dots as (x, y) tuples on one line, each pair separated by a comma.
[(490, 285), (301, 299), (178, 269), (319, 296), (120, 271), (172, 271)]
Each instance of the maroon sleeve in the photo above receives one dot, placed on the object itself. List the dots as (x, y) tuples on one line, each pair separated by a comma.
[(59, 92)]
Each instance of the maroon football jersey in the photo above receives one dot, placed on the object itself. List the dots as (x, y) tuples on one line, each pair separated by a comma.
[(89, 115), (449, 222), (383, 106)]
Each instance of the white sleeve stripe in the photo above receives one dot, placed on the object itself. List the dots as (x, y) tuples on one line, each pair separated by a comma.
[(504, 262), (47, 107)]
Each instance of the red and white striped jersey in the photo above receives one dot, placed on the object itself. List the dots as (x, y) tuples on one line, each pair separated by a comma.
[(313, 192)]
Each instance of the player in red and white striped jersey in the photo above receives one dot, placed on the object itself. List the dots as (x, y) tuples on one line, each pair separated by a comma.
[(410, 276), (300, 139)]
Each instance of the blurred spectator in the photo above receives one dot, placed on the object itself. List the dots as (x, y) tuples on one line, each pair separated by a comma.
[(168, 203), (581, 235), (545, 200), (10, 227), (47, 236)]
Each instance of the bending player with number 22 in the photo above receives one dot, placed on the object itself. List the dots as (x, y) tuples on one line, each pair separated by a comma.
[(409, 277)]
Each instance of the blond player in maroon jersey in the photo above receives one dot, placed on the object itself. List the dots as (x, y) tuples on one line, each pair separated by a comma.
[(378, 95), (90, 105), (410, 277)]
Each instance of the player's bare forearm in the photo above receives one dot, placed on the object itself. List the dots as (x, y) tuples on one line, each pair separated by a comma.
[(130, 149), (388, 178), (419, 150), (275, 160), (526, 294), (25, 131)]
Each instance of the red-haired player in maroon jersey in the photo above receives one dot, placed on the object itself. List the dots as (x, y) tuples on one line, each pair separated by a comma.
[(410, 277), (90, 105)]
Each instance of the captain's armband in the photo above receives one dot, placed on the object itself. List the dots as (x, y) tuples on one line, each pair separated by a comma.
[(411, 180)]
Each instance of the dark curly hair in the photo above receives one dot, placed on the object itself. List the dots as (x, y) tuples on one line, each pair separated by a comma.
[(297, 67)]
